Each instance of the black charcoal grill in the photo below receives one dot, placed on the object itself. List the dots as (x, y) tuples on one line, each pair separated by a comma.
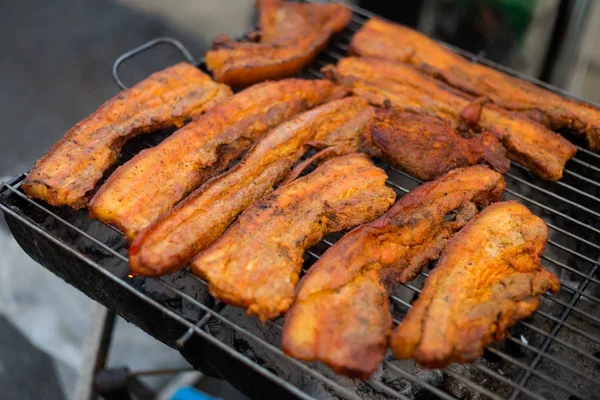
[(555, 354)]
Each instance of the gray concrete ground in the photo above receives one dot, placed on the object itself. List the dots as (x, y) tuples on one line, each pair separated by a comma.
[(20, 361)]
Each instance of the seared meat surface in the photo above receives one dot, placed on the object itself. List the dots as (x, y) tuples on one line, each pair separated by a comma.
[(203, 216), (488, 278), (156, 179), (383, 39), (69, 172), (341, 312), (256, 263), (291, 35), (427, 147), (526, 141)]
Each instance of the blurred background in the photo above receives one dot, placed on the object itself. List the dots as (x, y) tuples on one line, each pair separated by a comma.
[(55, 70)]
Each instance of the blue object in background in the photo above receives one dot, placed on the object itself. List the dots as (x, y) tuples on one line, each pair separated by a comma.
[(188, 393)]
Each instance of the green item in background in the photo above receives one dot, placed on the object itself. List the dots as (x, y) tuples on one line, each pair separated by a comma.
[(517, 14)]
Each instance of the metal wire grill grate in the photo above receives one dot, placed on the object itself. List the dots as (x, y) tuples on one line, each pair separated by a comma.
[(554, 354)]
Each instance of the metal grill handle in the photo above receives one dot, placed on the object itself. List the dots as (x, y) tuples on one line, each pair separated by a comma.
[(146, 46)]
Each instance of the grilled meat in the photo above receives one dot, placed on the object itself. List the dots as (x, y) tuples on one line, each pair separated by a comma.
[(488, 278), (203, 216), (256, 263), (341, 313), (526, 141), (383, 39), (426, 147), (152, 182), (291, 36), (69, 172)]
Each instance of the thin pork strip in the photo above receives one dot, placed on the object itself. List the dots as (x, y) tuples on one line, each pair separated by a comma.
[(488, 278), (69, 172), (291, 35), (257, 262), (427, 147), (156, 179)]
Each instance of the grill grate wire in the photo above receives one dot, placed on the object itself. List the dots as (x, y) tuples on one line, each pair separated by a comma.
[(568, 224)]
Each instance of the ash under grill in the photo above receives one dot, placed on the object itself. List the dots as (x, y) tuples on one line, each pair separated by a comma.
[(555, 354)]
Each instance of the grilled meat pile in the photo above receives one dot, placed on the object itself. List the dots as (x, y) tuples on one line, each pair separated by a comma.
[(305, 172)]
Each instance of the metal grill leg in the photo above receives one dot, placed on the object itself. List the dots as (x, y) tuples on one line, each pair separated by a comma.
[(95, 350)]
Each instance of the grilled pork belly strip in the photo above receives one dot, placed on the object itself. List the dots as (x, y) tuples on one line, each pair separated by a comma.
[(426, 147), (341, 312), (383, 39), (544, 152), (156, 179), (171, 242), (256, 263), (488, 278), (291, 36), (69, 172)]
